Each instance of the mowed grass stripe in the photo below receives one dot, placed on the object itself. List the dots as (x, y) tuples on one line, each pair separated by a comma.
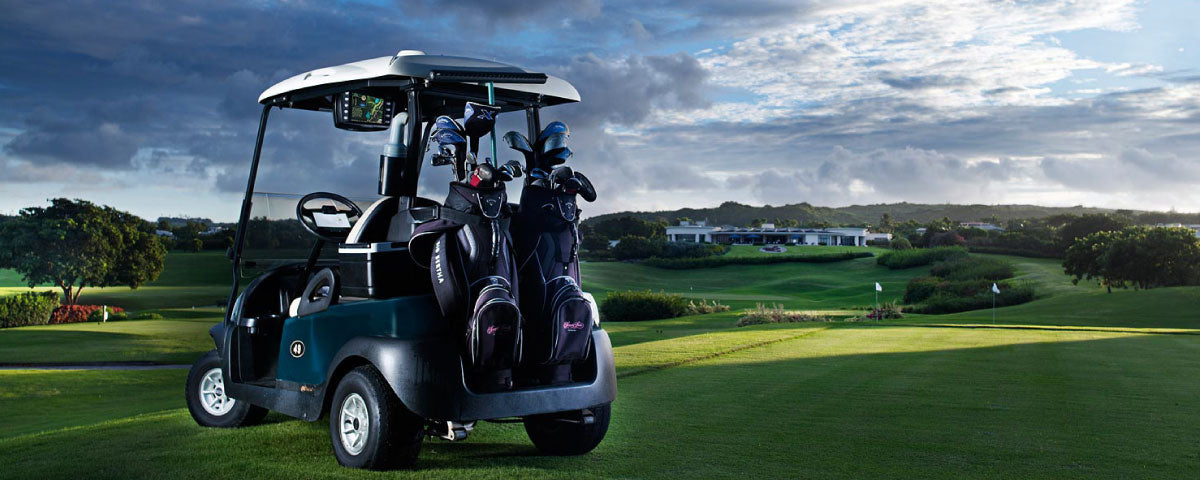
[(845, 402)]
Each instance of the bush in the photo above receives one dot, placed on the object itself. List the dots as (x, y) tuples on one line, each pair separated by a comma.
[(950, 302), (692, 250), (636, 248), (889, 311), (919, 289), (776, 314), (917, 257), (629, 306), (29, 308), (901, 243), (146, 316), (76, 313), (879, 242), (704, 307), (114, 314), (969, 268), (947, 239), (710, 262)]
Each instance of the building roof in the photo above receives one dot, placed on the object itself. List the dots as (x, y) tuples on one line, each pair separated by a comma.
[(416, 64)]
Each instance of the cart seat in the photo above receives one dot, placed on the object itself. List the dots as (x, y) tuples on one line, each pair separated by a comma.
[(320, 292), (379, 222)]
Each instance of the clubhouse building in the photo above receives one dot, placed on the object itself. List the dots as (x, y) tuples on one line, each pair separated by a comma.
[(768, 234)]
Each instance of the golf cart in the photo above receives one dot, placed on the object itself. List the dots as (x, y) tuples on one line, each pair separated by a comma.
[(341, 318)]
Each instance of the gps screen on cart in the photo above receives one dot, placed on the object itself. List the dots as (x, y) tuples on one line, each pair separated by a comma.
[(368, 109)]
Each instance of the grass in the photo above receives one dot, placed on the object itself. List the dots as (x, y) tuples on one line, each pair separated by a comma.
[(188, 279), (179, 338), (842, 402), (1077, 384)]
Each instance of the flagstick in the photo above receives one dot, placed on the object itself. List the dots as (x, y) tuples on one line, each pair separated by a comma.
[(877, 315), (993, 307)]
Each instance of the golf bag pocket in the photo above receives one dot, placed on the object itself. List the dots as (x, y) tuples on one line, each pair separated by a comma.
[(494, 330), (567, 323)]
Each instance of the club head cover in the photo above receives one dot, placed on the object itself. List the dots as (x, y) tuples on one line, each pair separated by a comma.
[(586, 190)]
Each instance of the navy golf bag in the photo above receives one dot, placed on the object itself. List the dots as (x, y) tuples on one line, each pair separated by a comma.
[(468, 251), (558, 319)]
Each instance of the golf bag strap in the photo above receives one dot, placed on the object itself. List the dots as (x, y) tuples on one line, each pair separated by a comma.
[(436, 212)]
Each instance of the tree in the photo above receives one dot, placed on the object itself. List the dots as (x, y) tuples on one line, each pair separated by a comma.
[(886, 224), (946, 239), (75, 244), (1078, 227), (636, 248), (590, 240), (1145, 257), (614, 228)]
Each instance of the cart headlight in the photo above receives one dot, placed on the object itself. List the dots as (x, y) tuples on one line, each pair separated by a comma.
[(595, 309)]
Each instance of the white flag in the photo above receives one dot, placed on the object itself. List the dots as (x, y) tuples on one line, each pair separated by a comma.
[(878, 287), (995, 289)]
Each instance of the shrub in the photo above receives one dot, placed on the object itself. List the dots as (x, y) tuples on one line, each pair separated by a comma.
[(879, 242), (947, 239), (951, 302), (901, 243), (630, 306), (888, 311), (968, 268), (76, 313), (636, 248), (114, 314), (776, 314), (29, 308), (692, 250), (146, 316), (919, 289), (704, 307), (709, 262), (898, 259)]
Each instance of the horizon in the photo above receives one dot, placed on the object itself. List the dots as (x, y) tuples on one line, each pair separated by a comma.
[(152, 110)]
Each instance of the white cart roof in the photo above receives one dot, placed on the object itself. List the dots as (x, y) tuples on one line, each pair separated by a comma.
[(416, 64)]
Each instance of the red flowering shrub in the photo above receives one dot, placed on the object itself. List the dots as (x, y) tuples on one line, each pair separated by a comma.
[(77, 313)]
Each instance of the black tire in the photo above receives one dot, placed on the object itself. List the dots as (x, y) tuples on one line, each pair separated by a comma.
[(393, 434), (557, 437), (229, 415)]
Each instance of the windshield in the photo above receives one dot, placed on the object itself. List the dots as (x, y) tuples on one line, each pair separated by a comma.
[(302, 154)]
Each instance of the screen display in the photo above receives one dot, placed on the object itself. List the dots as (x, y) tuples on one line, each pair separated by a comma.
[(364, 110)]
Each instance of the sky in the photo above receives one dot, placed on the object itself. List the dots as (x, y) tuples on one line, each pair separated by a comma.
[(151, 106)]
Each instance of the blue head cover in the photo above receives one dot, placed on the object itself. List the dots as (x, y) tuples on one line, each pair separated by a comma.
[(553, 137)]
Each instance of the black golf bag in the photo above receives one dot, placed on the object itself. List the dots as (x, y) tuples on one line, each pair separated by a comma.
[(468, 251), (558, 319)]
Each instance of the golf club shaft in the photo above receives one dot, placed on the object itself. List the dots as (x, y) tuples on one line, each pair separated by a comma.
[(491, 89)]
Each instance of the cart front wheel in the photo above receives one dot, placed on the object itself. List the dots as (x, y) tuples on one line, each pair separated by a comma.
[(209, 403), (566, 434), (369, 426)]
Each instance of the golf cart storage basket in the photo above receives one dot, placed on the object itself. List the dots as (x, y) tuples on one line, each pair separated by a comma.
[(365, 266)]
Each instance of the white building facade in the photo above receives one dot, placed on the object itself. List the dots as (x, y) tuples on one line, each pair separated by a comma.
[(768, 234)]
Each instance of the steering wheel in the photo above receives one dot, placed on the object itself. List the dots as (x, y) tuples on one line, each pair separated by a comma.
[(329, 216)]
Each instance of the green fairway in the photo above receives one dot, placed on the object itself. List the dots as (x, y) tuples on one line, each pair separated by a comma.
[(846, 402), (1045, 393), (179, 338), (809, 286)]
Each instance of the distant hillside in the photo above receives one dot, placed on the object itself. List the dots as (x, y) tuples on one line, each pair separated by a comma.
[(733, 213)]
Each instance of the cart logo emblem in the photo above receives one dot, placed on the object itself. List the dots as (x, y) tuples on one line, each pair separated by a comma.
[(297, 349)]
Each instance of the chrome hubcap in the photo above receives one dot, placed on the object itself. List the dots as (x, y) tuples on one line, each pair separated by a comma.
[(356, 427), (212, 394)]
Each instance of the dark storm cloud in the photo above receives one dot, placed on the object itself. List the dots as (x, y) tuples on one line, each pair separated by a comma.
[(625, 91)]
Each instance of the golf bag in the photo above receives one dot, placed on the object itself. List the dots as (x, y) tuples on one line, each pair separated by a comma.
[(558, 319), (468, 252)]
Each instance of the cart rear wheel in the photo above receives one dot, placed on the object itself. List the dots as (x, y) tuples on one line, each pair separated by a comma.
[(369, 426), (208, 401), (554, 434)]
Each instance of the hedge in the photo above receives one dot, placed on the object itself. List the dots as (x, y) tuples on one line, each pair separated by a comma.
[(762, 314), (897, 259), (950, 302), (721, 261), (968, 268), (629, 306), (29, 308), (1018, 252)]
